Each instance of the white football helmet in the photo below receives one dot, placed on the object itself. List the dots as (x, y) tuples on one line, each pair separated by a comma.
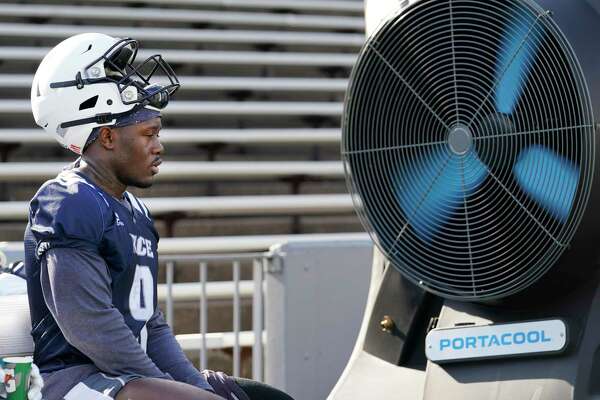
[(88, 80)]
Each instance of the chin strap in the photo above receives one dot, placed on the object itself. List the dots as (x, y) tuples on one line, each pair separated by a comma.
[(137, 114), (103, 118), (36, 384)]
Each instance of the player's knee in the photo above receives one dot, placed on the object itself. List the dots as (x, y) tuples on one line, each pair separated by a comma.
[(143, 388), (161, 389), (127, 392)]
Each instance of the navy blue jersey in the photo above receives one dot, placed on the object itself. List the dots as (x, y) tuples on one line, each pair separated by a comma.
[(72, 212)]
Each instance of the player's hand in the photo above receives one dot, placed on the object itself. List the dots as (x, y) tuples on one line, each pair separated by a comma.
[(36, 384), (224, 386), (2, 386)]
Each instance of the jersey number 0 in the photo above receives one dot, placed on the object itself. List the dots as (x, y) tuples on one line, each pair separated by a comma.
[(141, 299)]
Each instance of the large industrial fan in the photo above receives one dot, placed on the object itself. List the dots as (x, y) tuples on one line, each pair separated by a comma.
[(469, 149)]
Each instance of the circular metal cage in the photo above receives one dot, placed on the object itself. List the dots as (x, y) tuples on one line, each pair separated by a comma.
[(468, 144)]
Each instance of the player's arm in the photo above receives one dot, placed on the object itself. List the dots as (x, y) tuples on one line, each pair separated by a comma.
[(77, 289), (166, 353), (68, 220)]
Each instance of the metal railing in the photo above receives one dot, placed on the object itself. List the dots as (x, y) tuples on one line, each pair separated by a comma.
[(201, 251), (200, 341)]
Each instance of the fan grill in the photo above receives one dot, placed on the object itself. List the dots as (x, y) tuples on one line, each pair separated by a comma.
[(468, 143)]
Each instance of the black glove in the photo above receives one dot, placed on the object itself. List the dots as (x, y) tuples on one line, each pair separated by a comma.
[(224, 386)]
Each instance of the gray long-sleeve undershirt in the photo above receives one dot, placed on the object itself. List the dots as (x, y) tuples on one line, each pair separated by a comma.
[(76, 288)]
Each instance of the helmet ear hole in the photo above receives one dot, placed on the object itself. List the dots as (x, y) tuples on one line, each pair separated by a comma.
[(89, 103)]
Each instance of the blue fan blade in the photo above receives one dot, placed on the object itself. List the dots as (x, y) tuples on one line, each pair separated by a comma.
[(515, 60), (549, 179), (427, 200)]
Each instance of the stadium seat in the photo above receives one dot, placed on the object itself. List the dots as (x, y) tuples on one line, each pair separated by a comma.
[(316, 204), (192, 170)]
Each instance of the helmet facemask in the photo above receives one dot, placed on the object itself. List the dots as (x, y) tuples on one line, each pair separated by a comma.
[(119, 65)]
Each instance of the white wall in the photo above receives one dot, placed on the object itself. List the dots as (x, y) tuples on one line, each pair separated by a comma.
[(314, 308)]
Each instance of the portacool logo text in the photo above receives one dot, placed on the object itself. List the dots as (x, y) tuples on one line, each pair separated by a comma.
[(483, 341)]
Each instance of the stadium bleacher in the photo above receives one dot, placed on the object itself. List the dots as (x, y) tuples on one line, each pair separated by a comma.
[(252, 138), (201, 136), (230, 18), (258, 114)]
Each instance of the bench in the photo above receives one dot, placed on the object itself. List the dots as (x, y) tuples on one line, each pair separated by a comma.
[(184, 35), (222, 83), (81, 13), (301, 204), (287, 136), (196, 170), (218, 108), (338, 6), (266, 58)]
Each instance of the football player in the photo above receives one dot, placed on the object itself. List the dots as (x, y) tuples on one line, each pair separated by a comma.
[(91, 246)]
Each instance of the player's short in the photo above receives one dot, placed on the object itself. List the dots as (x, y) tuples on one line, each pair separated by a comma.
[(99, 387), (83, 382)]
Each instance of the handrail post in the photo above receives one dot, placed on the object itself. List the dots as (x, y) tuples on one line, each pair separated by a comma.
[(170, 277), (203, 316), (257, 323), (236, 318)]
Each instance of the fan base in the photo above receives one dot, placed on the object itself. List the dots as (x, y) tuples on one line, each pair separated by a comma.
[(392, 364)]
